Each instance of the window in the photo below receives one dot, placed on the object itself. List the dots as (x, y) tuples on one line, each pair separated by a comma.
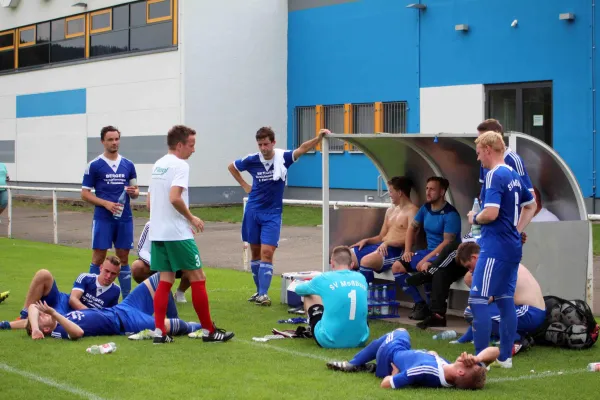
[(67, 50), (101, 21), (158, 10), (152, 36), (7, 40), (394, 117), (109, 43), (74, 26), (334, 121), (34, 55), (42, 33), (57, 30), (120, 17), (7, 50), (27, 36), (522, 107), (305, 124)]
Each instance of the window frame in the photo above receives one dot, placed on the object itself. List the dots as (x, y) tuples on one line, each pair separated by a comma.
[(11, 47), (159, 19), (100, 30), (28, 28), (73, 18)]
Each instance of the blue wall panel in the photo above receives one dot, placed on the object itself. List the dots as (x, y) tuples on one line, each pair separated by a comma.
[(49, 104)]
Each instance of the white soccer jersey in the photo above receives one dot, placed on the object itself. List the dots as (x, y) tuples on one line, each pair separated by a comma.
[(167, 224), (145, 244)]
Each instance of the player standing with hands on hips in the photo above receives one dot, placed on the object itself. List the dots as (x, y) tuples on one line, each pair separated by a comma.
[(173, 245), (502, 222), (115, 180), (261, 225)]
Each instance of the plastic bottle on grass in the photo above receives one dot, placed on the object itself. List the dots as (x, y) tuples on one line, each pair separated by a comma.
[(594, 367), (445, 335), (102, 349)]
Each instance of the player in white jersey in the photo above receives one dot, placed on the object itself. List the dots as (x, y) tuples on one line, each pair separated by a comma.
[(173, 245), (502, 221)]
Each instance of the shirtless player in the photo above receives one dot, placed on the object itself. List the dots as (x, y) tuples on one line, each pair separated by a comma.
[(378, 253), (529, 300)]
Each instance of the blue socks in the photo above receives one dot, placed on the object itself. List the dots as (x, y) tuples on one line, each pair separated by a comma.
[(180, 327), (265, 273), (427, 290), (24, 313), (125, 280), (254, 265), (94, 269), (410, 290), (368, 274), (467, 337), (171, 307), (508, 325), (369, 353), (482, 323)]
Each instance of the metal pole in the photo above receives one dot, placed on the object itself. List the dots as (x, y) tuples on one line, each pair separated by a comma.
[(55, 217), (325, 186), (9, 213)]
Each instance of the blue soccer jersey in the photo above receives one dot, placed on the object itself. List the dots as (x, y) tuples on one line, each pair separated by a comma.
[(266, 193), (436, 223), (416, 367), (505, 190), (344, 294), (93, 322), (514, 161), (109, 178), (94, 294)]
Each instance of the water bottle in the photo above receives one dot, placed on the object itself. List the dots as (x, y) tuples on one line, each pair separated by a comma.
[(445, 335), (376, 302), (385, 309), (102, 349), (476, 229), (121, 202), (594, 367), (370, 299)]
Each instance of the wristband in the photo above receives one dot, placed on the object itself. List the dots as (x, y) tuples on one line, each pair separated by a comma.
[(475, 218)]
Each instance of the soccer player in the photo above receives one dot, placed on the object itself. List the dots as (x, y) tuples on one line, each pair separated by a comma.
[(502, 221), (336, 303), (400, 366), (133, 315), (140, 268), (111, 175), (261, 225), (173, 245), (529, 301), (379, 252), (442, 225), (89, 291)]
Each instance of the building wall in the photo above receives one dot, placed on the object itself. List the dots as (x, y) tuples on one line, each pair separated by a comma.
[(377, 50)]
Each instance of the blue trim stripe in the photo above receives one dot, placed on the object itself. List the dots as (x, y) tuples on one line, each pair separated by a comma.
[(66, 102)]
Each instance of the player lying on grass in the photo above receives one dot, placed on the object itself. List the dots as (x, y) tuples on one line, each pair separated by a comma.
[(133, 315), (89, 291), (400, 366), (529, 301)]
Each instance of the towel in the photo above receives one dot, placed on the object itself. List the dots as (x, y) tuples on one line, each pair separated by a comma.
[(279, 169)]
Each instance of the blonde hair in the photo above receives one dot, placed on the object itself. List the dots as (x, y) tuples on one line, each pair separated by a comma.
[(474, 378), (493, 140)]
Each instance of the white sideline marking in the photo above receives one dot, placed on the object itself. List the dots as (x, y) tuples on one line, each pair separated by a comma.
[(283, 350), (535, 375), (50, 382)]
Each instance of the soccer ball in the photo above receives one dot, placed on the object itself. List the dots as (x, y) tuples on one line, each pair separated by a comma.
[(557, 334), (577, 336), (570, 315), (555, 314)]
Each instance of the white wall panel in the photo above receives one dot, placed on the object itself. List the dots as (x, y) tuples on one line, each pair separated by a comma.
[(235, 80), (8, 129), (136, 122), (452, 109), (8, 106), (12, 171), (144, 172), (148, 95), (51, 149)]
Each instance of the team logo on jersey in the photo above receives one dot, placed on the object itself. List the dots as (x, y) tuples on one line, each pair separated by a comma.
[(158, 171)]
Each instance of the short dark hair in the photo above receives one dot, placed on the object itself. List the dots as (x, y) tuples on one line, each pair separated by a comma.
[(114, 260), (265, 132), (179, 134), (444, 183), (106, 129), (341, 255), (490, 125), (401, 183), (466, 250)]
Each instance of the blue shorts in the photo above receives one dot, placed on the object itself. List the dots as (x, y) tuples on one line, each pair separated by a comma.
[(105, 233), (141, 299), (493, 277), (132, 319), (58, 300), (261, 227), (395, 341), (3, 198), (394, 254), (529, 319), (416, 258)]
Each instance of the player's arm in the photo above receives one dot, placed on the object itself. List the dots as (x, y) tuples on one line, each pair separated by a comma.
[(377, 238), (75, 299), (133, 191), (411, 233), (528, 209), (397, 380), (180, 182), (177, 202), (493, 197), (308, 288), (74, 331), (33, 317), (310, 144), (486, 356), (88, 196), (235, 172)]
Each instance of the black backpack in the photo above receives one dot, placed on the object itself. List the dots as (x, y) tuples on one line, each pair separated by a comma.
[(569, 324)]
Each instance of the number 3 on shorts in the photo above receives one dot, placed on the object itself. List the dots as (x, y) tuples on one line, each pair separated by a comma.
[(197, 257)]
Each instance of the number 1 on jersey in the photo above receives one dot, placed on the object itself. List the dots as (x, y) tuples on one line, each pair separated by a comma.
[(516, 208), (352, 296)]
